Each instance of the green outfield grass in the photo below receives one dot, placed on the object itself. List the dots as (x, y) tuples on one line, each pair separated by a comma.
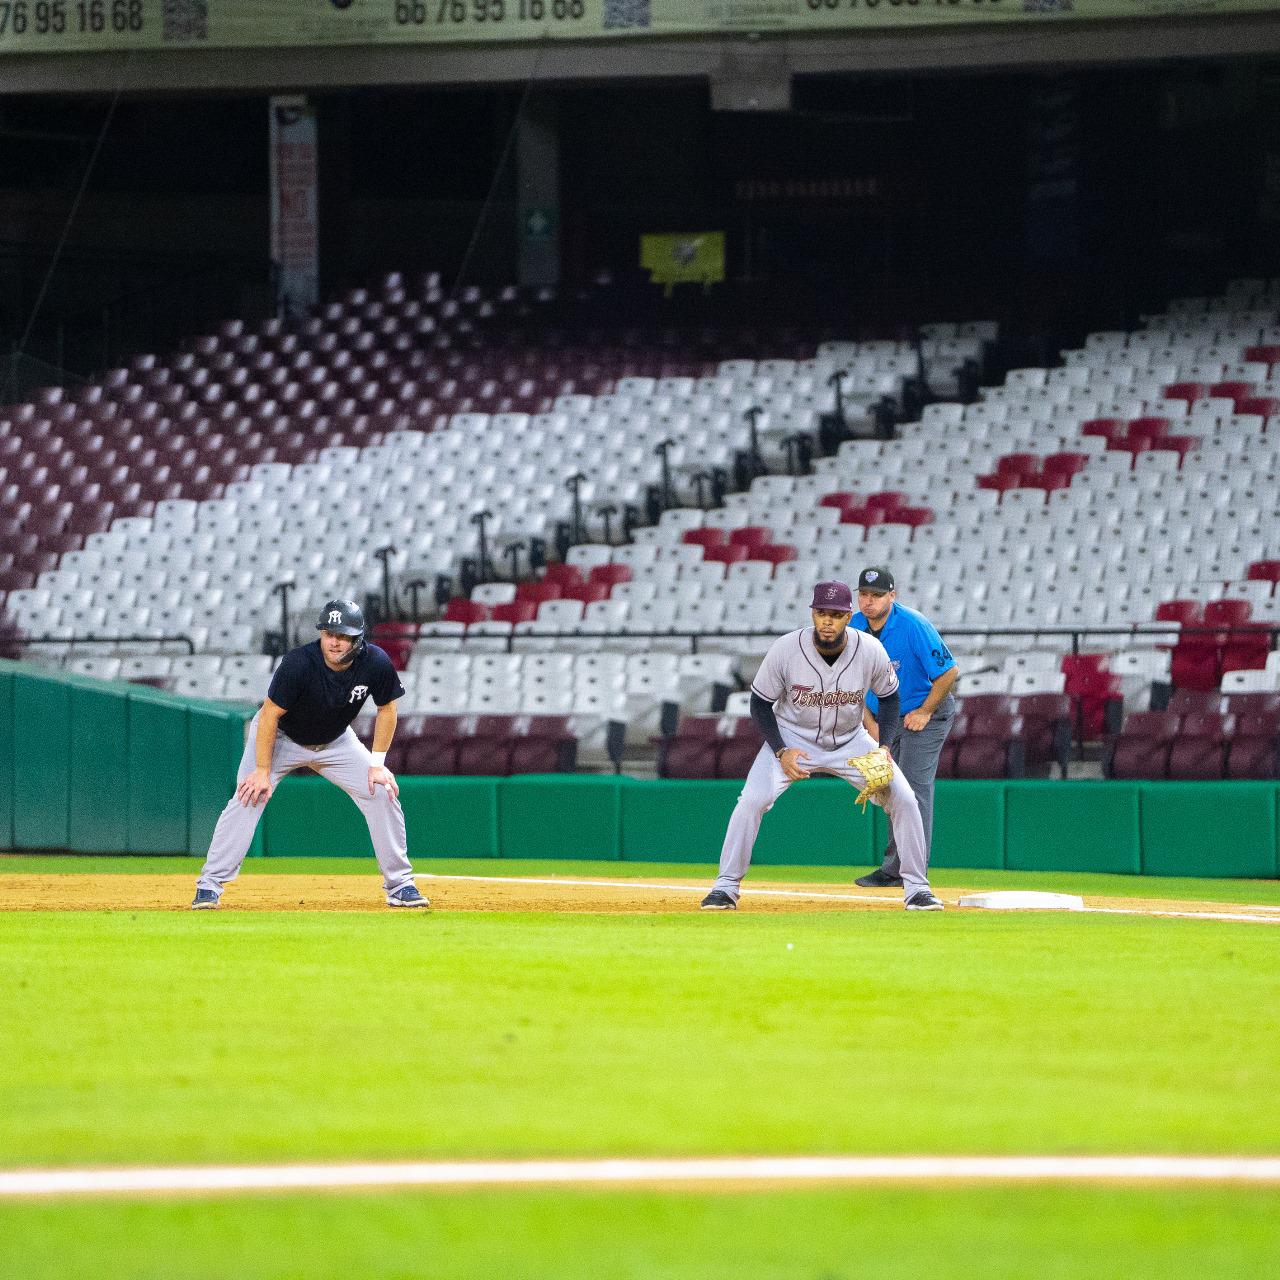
[(1262, 892), (863, 1234), (162, 1037)]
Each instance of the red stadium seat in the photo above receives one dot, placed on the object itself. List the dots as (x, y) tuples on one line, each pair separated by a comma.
[(729, 553), (610, 574), (751, 535), (1232, 389), (916, 517), (1227, 613), (863, 515), (1264, 571), (1108, 428), (1185, 612), (537, 593), (516, 611), (885, 500), (460, 609), (1189, 391), (563, 575), (1268, 354), (707, 536), (397, 639), (774, 553), (1263, 406)]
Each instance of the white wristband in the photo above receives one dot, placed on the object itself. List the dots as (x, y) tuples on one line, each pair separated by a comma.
[(379, 759)]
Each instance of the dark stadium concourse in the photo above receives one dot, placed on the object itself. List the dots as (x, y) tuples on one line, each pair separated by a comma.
[(1054, 200)]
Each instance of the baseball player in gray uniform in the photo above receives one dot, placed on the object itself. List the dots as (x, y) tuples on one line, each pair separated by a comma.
[(807, 699), (305, 723)]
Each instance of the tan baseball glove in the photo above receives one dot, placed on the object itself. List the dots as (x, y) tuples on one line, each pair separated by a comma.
[(877, 769)]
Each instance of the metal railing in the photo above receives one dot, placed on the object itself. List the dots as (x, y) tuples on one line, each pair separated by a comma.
[(1159, 633), (23, 642)]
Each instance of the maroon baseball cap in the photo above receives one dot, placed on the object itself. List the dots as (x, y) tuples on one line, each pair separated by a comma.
[(833, 595)]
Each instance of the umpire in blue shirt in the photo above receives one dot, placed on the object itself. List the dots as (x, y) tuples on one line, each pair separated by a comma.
[(926, 672)]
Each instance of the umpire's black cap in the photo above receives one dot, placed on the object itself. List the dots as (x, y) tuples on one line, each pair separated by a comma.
[(877, 579)]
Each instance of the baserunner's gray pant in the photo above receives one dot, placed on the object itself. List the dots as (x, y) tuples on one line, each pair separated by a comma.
[(766, 782), (345, 762), (916, 752)]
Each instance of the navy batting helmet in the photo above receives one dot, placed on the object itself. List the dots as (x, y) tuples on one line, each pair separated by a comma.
[(344, 618)]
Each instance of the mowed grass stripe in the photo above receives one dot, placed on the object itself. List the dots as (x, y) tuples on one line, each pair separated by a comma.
[(997, 1232), (146, 1038)]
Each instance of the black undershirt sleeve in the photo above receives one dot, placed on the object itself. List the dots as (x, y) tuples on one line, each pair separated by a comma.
[(887, 717), (762, 714)]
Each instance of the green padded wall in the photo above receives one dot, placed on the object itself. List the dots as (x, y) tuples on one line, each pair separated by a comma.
[(681, 822), (815, 822), (451, 817), (445, 818), (98, 770), (215, 741), (124, 768), (556, 815), (1073, 826), (8, 753), (41, 796), (308, 817), (968, 824), (159, 773), (1208, 828)]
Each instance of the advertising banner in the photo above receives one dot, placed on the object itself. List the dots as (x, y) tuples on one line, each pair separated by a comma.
[(48, 26)]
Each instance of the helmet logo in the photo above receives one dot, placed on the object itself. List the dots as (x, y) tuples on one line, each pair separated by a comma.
[(335, 616)]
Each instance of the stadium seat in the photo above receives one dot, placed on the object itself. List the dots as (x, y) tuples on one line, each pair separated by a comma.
[(1141, 749)]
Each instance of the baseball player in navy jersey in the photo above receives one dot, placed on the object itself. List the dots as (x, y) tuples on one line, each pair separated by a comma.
[(305, 723), (926, 673), (808, 699)]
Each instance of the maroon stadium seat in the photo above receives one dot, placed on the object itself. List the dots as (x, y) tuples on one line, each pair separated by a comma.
[(689, 757), (1199, 750), (1047, 729), (1253, 751), (1141, 749), (990, 747)]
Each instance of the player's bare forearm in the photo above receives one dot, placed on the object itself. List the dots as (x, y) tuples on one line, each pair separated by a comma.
[(384, 727), (268, 727)]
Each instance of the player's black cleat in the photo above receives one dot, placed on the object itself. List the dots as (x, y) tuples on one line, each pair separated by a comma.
[(879, 879), (923, 901), (718, 900)]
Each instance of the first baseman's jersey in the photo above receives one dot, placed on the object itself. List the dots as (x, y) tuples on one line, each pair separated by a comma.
[(319, 703), (819, 701)]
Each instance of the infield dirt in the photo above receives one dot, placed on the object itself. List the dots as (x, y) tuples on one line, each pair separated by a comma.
[(267, 892)]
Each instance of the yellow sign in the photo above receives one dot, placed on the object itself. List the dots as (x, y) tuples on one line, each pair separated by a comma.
[(64, 26), (683, 257)]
